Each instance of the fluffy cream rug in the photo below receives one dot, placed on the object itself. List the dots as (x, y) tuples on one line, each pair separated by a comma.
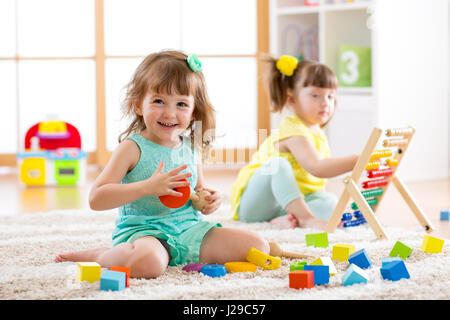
[(29, 243)]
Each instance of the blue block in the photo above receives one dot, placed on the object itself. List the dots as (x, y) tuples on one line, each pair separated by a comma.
[(360, 258), (112, 280), (214, 270), (394, 271), (445, 215), (353, 275), (385, 261), (321, 273)]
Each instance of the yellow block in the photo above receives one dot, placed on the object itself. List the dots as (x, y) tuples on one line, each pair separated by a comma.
[(88, 271), (341, 251), (263, 260), (325, 261), (432, 245), (240, 267)]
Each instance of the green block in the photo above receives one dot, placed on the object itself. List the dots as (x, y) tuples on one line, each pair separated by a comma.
[(317, 240), (400, 250), (297, 265)]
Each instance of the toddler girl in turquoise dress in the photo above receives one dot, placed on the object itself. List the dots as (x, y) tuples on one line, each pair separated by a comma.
[(160, 151)]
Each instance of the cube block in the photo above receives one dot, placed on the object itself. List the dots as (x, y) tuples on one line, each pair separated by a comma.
[(321, 273), (301, 279), (318, 240), (432, 245), (400, 250), (112, 280), (297, 265), (445, 215), (394, 271), (342, 251), (126, 271), (353, 275), (325, 261), (385, 261), (361, 259), (88, 271)]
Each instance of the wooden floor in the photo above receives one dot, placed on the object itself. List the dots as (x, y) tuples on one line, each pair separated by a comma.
[(432, 197)]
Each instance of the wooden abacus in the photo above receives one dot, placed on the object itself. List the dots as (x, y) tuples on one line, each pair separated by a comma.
[(379, 176)]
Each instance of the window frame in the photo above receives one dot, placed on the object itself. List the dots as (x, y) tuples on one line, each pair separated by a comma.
[(101, 155)]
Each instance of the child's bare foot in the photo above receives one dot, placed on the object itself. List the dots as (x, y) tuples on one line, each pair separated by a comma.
[(287, 221), (313, 223), (80, 256)]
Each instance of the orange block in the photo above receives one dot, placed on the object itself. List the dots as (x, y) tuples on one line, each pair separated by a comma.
[(124, 270), (301, 279)]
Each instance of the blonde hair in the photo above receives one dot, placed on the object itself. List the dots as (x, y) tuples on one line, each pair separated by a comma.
[(165, 72), (308, 73)]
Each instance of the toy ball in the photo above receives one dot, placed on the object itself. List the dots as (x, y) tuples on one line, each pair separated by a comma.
[(177, 202)]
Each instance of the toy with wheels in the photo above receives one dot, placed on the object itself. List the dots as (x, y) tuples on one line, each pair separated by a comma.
[(52, 155)]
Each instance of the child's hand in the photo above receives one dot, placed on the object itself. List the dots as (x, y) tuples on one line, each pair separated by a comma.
[(161, 184), (215, 199)]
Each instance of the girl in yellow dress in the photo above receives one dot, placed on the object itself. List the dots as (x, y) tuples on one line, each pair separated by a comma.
[(284, 182)]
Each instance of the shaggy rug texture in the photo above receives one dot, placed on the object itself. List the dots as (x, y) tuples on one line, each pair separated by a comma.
[(29, 243)]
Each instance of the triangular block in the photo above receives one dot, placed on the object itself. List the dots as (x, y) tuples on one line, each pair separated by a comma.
[(325, 261), (353, 275)]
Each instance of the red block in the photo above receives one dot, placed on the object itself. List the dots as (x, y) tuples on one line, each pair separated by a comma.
[(301, 279), (124, 270)]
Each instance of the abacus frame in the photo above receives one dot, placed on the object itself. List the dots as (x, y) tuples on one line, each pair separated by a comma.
[(351, 189)]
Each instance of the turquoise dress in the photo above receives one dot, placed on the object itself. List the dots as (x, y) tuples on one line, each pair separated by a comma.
[(181, 229)]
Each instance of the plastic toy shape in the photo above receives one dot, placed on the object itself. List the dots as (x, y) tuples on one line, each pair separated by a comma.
[(400, 250), (263, 260), (124, 270), (353, 275), (394, 271), (325, 261), (321, 273), (88, 271), (301, 279), (193, 267), (342, 251), (112, 280), (361, 259), (297, 265), (276, 251), (432, 245), (318, 240), (214, 270), (240, 266), (177, 202)]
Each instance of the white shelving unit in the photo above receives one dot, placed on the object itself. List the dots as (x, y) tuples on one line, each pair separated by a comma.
[(409, 71)]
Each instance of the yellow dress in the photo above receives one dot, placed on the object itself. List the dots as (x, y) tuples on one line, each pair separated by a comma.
[(289, 127)]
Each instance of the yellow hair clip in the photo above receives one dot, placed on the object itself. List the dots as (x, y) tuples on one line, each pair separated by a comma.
[(287, 64)]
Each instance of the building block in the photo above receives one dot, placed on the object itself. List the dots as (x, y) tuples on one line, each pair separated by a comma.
[(301, 279), (318, 240), (214, 270), (240, 266), (112, 280), (400, 250), (341, 251), (126, 271), (353, 275), (325, 261), (88, 271), (385, 261), (263, 260), (193, 267), (297, 265), (321, 273), (445, 215), (360, 258), (394, 271), (432, 245)]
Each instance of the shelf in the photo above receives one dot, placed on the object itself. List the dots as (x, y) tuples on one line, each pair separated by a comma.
[(355, 90)]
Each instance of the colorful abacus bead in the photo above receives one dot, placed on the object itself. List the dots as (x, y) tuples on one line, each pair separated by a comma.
[(392, 162), (379, 173), (372, 193), (381, 154), (399, 132), (395, 142), (372, 165), (374, 183)]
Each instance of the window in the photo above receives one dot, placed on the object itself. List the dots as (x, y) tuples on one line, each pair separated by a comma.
[(72, 58)]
